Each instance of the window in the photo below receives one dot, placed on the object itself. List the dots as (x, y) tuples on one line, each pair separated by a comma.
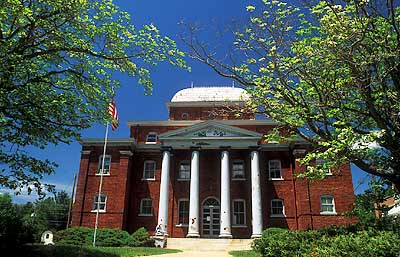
[(146, 207), (99, 202), (320, 163), (277, 208), (238, 169), (183, 212), (151, 138), (327, 204), (107, 164), (275, 169), (239, 213), (149, 170), (184, 170), (185, 116)]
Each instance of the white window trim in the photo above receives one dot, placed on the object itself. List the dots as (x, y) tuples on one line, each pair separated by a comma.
[(105, 203), (333, 205), (179, 202), (141, 207), (99, 166), (147, 138), (144, 171), (233, 213), (269, 170), (179, 171), (283, 215), (244, 171)]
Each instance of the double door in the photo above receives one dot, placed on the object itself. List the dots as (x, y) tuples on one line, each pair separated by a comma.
[(211, 218)]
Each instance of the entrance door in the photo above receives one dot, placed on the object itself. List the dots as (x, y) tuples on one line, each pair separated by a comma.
[(211, 217)]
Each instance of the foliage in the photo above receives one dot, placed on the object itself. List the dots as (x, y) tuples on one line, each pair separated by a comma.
[(74, 236), (280, 242), (104, 237), (13, 232), (79, 251), (140, 238), (57, 64), (329, 71), (370, 202)]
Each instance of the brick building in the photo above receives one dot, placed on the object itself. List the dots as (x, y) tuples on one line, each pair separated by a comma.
[(206, 173)]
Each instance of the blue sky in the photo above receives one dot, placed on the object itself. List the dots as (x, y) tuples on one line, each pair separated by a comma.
[(131, 102)]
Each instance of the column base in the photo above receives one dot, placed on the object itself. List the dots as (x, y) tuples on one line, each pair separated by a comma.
[(193, 235), (256, 236), (225, 236)]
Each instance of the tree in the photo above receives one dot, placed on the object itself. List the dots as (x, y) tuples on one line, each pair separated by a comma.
[(328, 71), (57, 60), (50, 213)]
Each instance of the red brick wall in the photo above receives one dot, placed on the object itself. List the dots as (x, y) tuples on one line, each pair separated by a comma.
[(125, 188), (114, 186)]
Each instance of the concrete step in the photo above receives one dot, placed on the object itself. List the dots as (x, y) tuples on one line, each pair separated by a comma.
[(207, 244)]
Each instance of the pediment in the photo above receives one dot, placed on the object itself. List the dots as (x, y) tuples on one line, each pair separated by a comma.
[(210, 130)]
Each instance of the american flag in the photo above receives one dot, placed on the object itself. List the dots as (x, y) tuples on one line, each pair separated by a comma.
[(112, 110)]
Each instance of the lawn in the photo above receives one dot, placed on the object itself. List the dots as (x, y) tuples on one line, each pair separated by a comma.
[(79, 251), (244, 253)]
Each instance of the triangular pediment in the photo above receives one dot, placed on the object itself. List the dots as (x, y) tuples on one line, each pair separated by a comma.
[(211, 129)]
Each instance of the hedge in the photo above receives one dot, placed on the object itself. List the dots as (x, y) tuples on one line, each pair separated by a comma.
[(276, 242), (104, 237)]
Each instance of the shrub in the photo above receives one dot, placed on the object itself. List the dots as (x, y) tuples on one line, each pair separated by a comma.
[(74, 236), (104, 237), (333, 242), (140, 238)]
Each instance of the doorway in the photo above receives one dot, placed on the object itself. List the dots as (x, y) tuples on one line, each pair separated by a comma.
[(211, 217)]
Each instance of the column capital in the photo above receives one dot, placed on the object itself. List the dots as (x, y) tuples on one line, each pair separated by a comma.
[(255, 148), (225, 148), (195, 148), (166, 148)]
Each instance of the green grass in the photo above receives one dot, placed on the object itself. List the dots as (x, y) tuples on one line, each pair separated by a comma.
[(84, 251), (244, 253), (135, 251)]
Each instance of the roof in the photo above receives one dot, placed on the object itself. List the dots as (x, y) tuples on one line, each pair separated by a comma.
[(211, 94)]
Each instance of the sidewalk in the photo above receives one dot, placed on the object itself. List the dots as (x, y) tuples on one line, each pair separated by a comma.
[(197, 254)]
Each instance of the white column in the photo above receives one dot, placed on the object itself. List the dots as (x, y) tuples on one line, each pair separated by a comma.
[(163, 202), (256, 211), (225, 229), (193, 230)]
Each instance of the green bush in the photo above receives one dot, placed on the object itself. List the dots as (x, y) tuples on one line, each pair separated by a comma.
[(333, 242), (140, 238), (104, 237), (74, 236)]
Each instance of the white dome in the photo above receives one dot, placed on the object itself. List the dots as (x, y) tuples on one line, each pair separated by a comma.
[(210, 94)]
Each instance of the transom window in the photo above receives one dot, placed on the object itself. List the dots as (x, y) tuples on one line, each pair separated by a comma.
[(107, 164), (149, 170), (99, 202), (183, 212), (184, 170), (151, 138), (275, 169), (277, 208), (238, 169), (239, 212), (146, 207), (327, 204)]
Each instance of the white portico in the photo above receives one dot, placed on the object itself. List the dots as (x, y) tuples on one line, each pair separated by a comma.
[(211, 135)]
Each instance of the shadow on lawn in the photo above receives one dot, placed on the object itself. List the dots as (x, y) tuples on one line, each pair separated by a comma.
[(57, 251)]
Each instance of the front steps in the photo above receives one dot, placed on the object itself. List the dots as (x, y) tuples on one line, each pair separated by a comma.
[(207, 244)]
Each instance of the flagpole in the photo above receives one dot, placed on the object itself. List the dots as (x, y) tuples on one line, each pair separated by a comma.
[(100, 185)]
